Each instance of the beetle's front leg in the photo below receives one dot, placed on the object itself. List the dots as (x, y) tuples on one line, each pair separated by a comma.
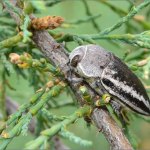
[(76, 80), (117, 109), (72, 80)]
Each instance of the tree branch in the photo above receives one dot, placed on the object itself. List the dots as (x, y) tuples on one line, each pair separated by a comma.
[(106, 124), (55, 53), (11, 107)]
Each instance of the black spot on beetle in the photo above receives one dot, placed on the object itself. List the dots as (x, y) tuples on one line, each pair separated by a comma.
[(108, 82), (102, 67), (115, 76)]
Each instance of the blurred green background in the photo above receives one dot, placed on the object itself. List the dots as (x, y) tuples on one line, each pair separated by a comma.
[(73, 10)]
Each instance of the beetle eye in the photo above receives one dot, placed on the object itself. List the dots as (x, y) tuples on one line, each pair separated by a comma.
[(75, 61)]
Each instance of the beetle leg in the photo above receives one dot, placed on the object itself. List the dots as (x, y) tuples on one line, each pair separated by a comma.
[(75, 80), (117, 108), (70, 79), (100, 86)]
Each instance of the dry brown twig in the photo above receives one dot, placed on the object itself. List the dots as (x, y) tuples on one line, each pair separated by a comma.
[(101, 117)]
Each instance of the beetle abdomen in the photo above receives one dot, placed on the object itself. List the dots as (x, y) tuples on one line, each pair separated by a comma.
[(123, 84)]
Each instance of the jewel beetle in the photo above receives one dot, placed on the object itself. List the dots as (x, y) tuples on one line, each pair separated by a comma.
[(108, 74)]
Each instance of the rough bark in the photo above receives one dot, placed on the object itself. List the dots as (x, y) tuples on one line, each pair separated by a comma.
[(102, 119), (113, 133)]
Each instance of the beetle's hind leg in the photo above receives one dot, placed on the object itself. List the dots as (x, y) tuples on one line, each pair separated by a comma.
[(117, 109)]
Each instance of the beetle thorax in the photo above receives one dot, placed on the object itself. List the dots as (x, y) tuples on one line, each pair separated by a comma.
[(94, 61)]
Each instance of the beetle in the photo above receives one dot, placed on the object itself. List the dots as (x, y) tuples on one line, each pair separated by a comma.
[(108, 74)]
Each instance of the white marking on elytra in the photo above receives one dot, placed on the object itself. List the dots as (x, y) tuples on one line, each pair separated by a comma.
[(118, 95), (113, 71), (125, 87), (128, 89)]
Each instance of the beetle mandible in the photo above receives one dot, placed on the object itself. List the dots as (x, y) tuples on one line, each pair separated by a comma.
[(108, 74)]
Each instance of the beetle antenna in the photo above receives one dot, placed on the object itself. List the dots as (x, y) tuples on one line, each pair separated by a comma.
[(64, 67), (65, 51), (66, 64)]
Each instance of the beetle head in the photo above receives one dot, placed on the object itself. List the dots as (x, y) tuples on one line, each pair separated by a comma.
[(76, 55)]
